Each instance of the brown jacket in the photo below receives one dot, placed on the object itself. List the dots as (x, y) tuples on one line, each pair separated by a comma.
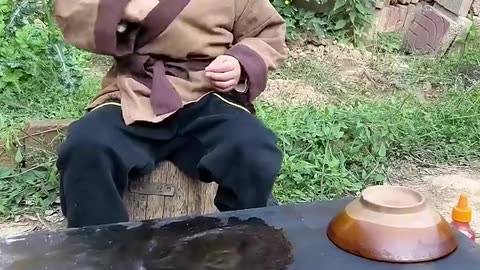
[(160, 61)]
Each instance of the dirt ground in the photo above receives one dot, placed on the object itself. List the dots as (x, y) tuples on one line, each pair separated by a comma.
[(441, 185)]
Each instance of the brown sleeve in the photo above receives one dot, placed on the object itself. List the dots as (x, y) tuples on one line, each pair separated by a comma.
[(259, 46), (92, 24)]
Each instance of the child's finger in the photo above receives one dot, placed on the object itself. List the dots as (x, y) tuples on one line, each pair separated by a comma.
[(224, 85), (221, 77), (220, 65)]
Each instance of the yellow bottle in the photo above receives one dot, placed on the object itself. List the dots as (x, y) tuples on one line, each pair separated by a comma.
[(462, 216)]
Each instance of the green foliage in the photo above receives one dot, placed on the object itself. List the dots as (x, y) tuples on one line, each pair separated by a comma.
[(298, 19), (25, 190), (40, 77), (389, 42), (335, 151), (34, 62), (327, 153), (348, 20)]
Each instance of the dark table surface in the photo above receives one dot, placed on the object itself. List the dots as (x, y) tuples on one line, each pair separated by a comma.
[(276, 238)]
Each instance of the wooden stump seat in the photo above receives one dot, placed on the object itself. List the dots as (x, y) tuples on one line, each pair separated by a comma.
[(166, 193)]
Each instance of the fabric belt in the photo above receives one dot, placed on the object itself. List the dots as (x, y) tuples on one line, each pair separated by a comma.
[(152, 73)]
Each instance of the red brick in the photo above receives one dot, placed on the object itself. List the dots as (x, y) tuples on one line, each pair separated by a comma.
[(392, 19), (43, 136), (382, 19), (427, 31), (411, 12), (402, 16), (45, 131)]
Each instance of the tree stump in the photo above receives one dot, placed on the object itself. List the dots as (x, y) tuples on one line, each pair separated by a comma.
[(166, 193)]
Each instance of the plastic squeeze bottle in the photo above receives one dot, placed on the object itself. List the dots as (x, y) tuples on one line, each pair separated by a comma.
[(461, 217)]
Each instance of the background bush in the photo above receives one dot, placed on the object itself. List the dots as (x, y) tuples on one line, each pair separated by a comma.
[(36, 67), (348, 20)]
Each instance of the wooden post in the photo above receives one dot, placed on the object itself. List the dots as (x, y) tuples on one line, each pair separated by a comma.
[(167, 192)]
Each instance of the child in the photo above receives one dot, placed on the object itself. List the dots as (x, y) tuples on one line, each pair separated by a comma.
[(181, 89)]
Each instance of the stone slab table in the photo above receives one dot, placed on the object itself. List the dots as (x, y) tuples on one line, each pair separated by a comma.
[(274, 238)]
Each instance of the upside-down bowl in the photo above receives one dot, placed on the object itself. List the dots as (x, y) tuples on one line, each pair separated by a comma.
[(392, 224)]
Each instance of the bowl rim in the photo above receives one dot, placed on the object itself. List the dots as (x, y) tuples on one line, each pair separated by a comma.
[(366, 200)]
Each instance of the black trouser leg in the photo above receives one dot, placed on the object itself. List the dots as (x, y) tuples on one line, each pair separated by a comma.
[(234, 149), (96, 160), (211, 140)]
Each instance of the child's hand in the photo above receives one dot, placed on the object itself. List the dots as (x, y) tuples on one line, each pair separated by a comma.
[(137, 10), (224, 72)]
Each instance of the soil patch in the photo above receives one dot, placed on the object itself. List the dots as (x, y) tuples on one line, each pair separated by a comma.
[(441, 185)]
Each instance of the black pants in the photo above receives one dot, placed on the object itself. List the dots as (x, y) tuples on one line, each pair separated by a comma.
[(208, 140)]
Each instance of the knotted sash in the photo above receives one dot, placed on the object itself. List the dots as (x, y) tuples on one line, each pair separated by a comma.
[(152, 72)]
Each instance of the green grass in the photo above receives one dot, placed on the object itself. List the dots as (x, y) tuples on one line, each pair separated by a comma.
[(339, 150), (328, 152)]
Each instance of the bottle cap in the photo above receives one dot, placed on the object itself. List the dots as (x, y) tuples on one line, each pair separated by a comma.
[(462, 211)]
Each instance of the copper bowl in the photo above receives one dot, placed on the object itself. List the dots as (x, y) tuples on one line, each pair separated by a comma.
[(392, 224)]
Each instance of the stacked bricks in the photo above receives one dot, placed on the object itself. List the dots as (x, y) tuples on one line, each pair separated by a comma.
[(429, 26), (439, 28), (396, 15)]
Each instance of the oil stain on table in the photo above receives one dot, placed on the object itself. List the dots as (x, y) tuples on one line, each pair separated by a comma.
[(202, 243)]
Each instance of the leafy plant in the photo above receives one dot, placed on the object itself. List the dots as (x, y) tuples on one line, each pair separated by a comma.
[(27, 190), (389, 42), (298, 19), (38, 74), (327, 153), (350, 19), (33, 58)]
